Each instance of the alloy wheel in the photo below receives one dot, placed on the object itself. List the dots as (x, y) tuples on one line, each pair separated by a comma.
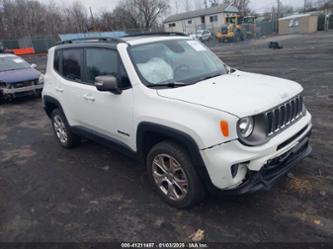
[(170, 177), (60, 129)]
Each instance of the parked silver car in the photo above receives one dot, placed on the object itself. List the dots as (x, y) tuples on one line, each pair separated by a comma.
[(202, 35)]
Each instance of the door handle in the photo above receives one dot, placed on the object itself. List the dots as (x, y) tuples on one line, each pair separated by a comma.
[(88, 98), (60, 90)]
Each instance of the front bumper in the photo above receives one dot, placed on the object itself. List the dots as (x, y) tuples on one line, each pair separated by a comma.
[(26, 89), (283, 150), (274, 169)]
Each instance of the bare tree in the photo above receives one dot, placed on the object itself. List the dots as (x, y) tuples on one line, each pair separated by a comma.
[(151, 10), (77, 17), (176, 3), (197, 4), (126, 15), (214, 2), (205, 2), (106, 21), (21, 18), (140, 13), (187, 5), (286, 10), (242, 5)]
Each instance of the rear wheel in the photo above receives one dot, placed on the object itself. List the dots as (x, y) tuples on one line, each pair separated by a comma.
[(62, 130), (171, 172)]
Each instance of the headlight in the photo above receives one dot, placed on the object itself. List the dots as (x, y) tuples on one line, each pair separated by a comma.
[(252, 130), (41, 79), (246, 126)]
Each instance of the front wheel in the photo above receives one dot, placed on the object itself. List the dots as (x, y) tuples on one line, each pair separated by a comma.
[(39, 93), (171, 171)]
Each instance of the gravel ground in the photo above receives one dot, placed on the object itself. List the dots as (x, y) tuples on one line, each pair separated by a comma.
[(92, 193)]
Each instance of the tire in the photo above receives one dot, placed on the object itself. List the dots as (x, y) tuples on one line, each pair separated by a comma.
[(62, 130), (39, 93), (180, 187), (236, 37), (242, 36)]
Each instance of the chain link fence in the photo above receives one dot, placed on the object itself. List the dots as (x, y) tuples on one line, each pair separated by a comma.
[(39, 44), (328, 22)]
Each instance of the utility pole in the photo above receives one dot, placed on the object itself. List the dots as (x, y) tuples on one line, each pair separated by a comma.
[(92, 19), (274, 19), (326, 20), (278, 16), (304, 6)]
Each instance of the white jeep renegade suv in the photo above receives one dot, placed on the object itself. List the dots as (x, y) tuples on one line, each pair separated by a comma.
[(198, 125)]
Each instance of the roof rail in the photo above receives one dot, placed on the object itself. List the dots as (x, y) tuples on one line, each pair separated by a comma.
[(157, 34), (87, 39)]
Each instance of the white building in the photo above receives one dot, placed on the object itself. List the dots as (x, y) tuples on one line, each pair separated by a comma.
[(211, 18)]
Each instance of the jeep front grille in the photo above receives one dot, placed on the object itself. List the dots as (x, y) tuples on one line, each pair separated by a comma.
[(284, 115)]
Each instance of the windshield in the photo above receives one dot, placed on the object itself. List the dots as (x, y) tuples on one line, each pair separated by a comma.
[(11, 62), (185, 61)]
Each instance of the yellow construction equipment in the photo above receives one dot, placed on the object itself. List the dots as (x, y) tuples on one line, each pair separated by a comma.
[(236, 28)]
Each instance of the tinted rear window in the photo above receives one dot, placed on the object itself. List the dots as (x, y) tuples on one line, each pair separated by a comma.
[(57, 57), (72, 64)]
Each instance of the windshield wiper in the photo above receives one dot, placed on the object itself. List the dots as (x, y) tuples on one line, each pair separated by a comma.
[(210, 76), (169, 84)]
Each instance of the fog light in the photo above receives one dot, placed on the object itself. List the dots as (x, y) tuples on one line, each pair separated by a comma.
[(237, 168), (234, 170)]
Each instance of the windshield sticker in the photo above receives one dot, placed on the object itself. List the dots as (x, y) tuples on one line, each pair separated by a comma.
[(196, 46), (18, 60)]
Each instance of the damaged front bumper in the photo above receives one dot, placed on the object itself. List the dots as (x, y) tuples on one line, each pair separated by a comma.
[(274, 169), (26, 90), (235, 168)]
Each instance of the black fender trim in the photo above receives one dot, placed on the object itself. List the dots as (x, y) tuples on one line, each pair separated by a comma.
[(183, 139), (47, 100), (104, 140)]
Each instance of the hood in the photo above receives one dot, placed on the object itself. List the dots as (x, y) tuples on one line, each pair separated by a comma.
[(240, 93), (19, 75)]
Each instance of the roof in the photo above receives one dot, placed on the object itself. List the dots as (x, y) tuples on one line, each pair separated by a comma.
[(298, 16), (136, 39), (202, 12), (151, 39)]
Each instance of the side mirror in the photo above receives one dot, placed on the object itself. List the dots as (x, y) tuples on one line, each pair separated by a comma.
[(107, 83), (33, 66)]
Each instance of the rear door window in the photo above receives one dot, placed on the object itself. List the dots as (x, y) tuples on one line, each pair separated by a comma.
[(72, 64), (57, 58)]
